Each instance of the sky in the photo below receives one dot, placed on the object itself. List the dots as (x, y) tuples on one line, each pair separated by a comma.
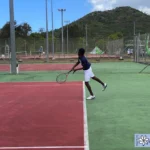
[(33, 11)]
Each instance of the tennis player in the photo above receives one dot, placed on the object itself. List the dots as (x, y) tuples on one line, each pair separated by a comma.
[(88, 73), (40, 51)]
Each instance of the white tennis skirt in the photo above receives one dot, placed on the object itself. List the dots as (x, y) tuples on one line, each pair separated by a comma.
[(88, 74)]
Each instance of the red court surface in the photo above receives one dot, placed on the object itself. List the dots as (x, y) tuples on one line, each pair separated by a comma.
[(42, 115), (38, 67)]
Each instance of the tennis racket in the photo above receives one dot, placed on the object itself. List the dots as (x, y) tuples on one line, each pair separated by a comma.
[(61, 78)]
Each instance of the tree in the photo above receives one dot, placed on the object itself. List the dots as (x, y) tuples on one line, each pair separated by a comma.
[(101, 43), (115, 36), (5, 30), (80, 42), (41, 30), (36, 35), (23, 30)]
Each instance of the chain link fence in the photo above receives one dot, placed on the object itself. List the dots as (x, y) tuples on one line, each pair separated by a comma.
[(31, 48), (141, 48)]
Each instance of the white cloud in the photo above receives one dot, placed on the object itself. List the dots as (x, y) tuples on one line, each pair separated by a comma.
[(144, 9), (142, 5), (102, 4)]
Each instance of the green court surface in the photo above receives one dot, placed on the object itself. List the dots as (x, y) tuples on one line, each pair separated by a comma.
[(117, 113)]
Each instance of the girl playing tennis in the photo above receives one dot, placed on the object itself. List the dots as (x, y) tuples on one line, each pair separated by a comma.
[(88, 73)]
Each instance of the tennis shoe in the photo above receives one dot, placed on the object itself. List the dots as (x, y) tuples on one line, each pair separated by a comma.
[(91, 97), (105, 86)]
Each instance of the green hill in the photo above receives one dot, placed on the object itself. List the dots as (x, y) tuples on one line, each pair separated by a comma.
[(104, 24)]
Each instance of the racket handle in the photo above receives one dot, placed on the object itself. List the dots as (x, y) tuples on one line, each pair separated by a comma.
[(69, 71)]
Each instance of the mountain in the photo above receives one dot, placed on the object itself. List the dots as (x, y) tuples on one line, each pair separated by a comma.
[(104, 24)]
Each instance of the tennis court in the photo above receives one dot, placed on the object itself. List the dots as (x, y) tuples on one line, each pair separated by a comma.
[(38, 113), (42, 115)]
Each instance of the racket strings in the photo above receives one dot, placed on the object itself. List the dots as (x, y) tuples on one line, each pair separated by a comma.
[(61, 78)]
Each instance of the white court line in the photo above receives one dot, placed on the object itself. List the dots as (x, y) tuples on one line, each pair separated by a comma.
[(44, 147), (86, 136)]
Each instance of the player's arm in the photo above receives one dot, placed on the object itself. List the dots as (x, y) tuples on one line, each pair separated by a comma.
[(83, 63), (75, 65), (77, 69)]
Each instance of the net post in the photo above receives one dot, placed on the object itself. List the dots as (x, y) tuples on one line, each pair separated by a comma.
[(17, 68)]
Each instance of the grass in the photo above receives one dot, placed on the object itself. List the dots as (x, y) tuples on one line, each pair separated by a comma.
[(116, 114)]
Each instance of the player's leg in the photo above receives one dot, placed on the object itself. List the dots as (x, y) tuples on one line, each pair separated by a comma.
[(89, 88), (40, 54), (87, 79), (92, 96), (98, 80)]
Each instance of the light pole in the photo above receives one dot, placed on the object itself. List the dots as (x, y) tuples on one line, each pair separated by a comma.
[(25, 45), (52, 28), (62, 10), (12, 37), (47, 44), (67, 34), (134, 28), (134, 39)]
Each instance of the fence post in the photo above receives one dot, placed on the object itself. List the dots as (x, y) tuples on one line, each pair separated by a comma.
[(138, 48), (135, 48)]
